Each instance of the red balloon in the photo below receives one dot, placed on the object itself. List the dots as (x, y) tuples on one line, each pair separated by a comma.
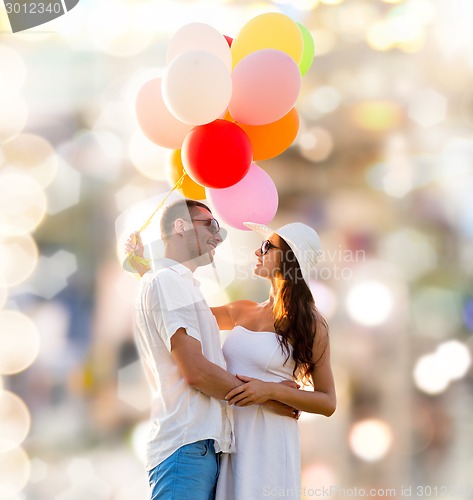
[(217, 154), (229, 40)]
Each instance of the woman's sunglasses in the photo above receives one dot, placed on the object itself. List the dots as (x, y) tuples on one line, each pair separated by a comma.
[(266, 247), (212, 224)]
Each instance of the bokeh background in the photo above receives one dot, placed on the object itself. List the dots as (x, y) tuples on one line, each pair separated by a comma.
[(382, 168)]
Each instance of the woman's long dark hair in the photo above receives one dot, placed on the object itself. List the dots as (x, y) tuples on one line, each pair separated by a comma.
[(295, 315)]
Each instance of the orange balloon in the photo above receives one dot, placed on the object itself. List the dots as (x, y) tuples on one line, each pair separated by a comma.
[(274, 138), (174, 171)]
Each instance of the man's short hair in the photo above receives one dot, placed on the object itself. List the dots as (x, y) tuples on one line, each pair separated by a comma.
[(180, 209)]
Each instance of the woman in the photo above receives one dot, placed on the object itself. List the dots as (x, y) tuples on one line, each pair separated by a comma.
[(283, 338)]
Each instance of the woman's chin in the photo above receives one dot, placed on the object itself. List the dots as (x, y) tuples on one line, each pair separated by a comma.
[(260, 271)]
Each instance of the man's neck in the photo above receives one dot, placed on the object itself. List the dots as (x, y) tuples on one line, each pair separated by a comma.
[(190, 264)]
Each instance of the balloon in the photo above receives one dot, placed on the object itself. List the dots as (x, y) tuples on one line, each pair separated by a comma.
[(197, 87), (229, 40), (216, 155), (174, 171), (200, 36), (155, 120), (253, 199), (268, 141), (266, 85), (268, 31), (308, 52)]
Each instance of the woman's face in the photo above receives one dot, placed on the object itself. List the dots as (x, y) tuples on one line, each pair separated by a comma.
[(268, 263)]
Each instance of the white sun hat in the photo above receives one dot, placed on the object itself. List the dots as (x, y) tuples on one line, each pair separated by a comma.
[(301, 238)]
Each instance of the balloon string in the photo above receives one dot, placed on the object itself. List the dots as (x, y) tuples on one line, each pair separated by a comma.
[(132, 257), (158, 208)]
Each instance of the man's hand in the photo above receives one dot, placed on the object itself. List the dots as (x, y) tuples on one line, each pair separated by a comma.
[(134, 245), (282, 409)]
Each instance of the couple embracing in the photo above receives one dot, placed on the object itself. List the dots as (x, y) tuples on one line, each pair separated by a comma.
[(224, 421)]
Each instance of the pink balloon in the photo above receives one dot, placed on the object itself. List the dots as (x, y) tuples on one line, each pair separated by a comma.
[(266, 85), (156, 121), (254, 199)]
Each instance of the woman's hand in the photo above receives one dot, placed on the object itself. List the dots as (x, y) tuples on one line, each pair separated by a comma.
[(252, 392)]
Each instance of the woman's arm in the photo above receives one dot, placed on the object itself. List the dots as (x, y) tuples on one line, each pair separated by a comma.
[(321, 400)]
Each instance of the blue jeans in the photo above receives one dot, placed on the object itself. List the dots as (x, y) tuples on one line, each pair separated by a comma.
[(190, 472)]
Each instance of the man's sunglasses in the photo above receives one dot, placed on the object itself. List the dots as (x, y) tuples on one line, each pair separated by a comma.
[(212, 224), (266, 247)]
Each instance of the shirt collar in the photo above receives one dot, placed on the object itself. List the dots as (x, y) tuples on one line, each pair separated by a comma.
[(179, 268)]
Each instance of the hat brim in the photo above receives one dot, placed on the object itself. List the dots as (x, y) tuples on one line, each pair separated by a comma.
[(261, 229)]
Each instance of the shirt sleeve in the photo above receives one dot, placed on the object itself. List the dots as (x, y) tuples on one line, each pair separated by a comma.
[(171, 304)]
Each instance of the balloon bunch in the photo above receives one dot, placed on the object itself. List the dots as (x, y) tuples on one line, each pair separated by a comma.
[(223, 104)]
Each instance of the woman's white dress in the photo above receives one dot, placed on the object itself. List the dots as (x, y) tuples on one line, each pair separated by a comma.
[(267, 459)]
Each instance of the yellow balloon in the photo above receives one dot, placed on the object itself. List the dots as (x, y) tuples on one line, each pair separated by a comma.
[(268, 31), (174, 170)]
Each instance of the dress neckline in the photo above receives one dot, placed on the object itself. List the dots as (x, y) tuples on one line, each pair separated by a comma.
[(255, 331)]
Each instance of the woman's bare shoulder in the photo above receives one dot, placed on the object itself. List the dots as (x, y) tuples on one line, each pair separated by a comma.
[(242, 305)]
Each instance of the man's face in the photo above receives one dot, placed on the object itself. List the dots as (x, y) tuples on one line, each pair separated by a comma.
[(201, 237)]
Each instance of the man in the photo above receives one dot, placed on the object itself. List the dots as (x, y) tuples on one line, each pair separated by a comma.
[(179, 343)]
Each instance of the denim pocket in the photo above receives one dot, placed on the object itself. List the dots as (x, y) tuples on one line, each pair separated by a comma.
[(197, 449)]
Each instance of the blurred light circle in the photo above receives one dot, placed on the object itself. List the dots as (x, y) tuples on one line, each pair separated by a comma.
[(318, 475), (370, 439), (22, 204), (148, 158), (3, 295), (455, 358), (13, 117), (468, 314), (34, 155), (14, 472), (325, 99), (325, 41), (324, 297), (316, 144), (39, 470), (97, 153), (410, 250), (139, 437), (13, 73), (122, 37), (369, 303), (378, 116), (15, 421), (19, 342), (430, 375), (378, 36), (18, 259), (427, 107)]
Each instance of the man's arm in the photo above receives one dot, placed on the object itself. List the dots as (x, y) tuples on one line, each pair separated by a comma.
[(207, 377), (197, 370)]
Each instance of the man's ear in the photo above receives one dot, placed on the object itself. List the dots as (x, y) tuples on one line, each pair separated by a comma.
[(179, 226)]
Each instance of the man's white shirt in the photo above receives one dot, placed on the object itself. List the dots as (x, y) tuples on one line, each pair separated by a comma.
[(169, 298)]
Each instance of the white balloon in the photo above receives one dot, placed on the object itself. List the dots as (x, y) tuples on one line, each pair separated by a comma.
[(200, 36), (197, 87)]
